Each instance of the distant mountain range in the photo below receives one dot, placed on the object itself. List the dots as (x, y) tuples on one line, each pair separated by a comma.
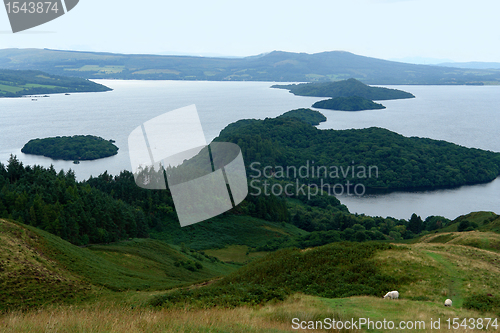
[(275, 66)]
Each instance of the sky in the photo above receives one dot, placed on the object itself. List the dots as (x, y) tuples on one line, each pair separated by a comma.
[(455, 30)]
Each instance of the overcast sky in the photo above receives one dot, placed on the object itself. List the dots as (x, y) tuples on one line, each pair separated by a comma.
[(459, 30)]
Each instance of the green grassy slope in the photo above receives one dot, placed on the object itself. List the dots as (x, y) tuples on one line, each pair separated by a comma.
[(38, 268), (227, 230), (424, 273), (28, 276)]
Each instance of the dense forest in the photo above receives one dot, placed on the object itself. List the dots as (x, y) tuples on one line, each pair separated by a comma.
[(109, 208), (352, 103), (17, 83), (374, 157), (345, 88), (103, 209), (306, 115), (76, 147)]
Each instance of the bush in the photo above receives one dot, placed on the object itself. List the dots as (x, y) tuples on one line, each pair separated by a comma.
[(229, 296), (189, 265), (483, 303)]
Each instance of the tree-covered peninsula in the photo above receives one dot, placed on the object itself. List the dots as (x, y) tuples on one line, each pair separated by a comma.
[(345, 88), (77, 147), (17, 83), (352, 103), (286, 144)]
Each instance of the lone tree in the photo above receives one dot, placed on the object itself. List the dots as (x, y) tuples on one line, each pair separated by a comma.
[(415, 224)]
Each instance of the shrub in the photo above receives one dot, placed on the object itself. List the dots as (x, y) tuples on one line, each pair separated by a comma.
[(483, 303)]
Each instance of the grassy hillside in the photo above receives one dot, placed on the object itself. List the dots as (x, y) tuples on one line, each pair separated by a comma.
[(17, 83), (29, 277), (425, 274), (274, 66), (38, 268), (227, 230), (481, 240)]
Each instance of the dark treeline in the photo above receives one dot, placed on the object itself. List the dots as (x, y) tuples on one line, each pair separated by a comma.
[(57, 203), (352, 103), (306, 115), (109, 208), (101, 209), (328, 221)]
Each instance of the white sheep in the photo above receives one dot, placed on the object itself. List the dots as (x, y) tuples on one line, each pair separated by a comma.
[(448, 302), (392, 295)]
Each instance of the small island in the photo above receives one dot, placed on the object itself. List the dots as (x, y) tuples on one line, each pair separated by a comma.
[(352, 103), (75, 148), (345, 88), (306, 115)]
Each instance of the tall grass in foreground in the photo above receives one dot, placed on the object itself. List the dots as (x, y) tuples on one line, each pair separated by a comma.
[(103, 318), (271, 318)]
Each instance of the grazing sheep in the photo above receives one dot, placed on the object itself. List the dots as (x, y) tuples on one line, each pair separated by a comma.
[(392, 295), (448, 302)]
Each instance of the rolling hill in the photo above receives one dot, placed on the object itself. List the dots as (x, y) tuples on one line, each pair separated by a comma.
[(347, 281), (17, 83), (38, 268), (276, 66), (120, 286)]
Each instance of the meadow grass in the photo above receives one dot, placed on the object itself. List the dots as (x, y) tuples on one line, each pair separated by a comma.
[(105, 69), (485, 240), (104, 317), (59, 287), (11, 89), (441, 271), (116, 317), (378, 309), (235, 253)]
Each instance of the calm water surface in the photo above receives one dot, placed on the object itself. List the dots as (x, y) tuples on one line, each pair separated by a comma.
[(466, 115)]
